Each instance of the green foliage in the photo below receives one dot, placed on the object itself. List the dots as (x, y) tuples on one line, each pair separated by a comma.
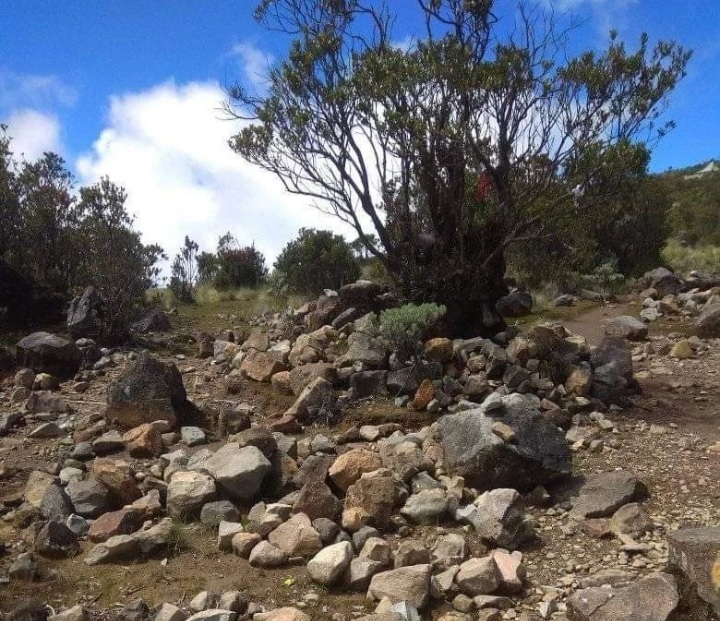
[(404, 328), (558, 135), (184, 272), (683, 258), (238, 266), (605, 278), (64, 241), (314, 261)]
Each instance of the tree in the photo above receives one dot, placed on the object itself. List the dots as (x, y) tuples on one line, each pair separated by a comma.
[(316, 260), (478, 136), (184, 271), (238, 266), (113, 257)]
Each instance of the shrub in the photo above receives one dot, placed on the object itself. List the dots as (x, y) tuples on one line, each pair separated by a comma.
[(184, 272), (404, 328), (684, 258), (316, 260)]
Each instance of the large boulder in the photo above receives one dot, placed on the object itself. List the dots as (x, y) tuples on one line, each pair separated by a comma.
[(626, 327), (663, 281), (364, 350), (537, 455), (148, 390), (154, 320), (44, 352), (612, 368), (515, 304), (239, 471), (707, 325), (696, 553), (84, 314), (315, 398)]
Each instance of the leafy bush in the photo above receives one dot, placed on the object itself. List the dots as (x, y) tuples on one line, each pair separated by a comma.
[(684, 258), (184, 272), (606, 278), (316, 260), (238, 266), (404, 328)]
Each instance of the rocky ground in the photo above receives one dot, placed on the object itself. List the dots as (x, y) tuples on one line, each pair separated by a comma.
[(383, 510)]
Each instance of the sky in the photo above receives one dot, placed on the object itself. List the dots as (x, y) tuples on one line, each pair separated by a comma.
[(133, 89)]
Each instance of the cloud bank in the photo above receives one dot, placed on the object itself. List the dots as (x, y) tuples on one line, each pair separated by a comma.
[(168, 147)]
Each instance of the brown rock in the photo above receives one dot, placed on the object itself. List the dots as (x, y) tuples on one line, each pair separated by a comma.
[(143, 441), (316, 500), (304, 374), (117, 476), (285, 424), (424, 395), (350, 466), (438, 350), (578, 382), (257, 365), (375, 494), (280, 383), (122, 522), (296, 537)]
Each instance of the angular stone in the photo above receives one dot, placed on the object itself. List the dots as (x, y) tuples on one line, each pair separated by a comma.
[(316, 395), (89, 497), (120, 547), (478, 576), (301, 376), (438, 350), (511, 571), (296, 537), (603, 494), (44, 352), (350, 466), (410, 584), (626, 327), (426, 507), (143, 441), (123, 522), (259, 366), (696, 552), (56, 540), (373, 495), (328, 566), (316, 500), (265, 554), (243, 543), (118, 478), (187, 492), (630, 519), (707, 325), (498, 520), (239, 471)]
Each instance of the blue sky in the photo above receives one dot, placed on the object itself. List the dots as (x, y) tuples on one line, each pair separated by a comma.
[(132, 89)]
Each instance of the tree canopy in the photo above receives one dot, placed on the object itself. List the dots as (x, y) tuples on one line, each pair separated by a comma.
[(477, 135)]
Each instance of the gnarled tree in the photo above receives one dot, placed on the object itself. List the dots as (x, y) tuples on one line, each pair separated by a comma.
[(476, 135)]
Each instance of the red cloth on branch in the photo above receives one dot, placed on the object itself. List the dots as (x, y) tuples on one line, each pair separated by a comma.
[(484, 185)]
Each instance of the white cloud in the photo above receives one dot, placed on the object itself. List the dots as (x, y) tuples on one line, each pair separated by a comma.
[(33, 133), (168, 147), (35, 91), (254, 62)]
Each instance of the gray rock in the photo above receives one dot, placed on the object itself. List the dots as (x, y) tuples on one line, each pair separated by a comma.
[(226, 532), (265, 554), (539, 455), (240, 472), (478, 576), (24, 567), (707, 325), (170, 612), (45, 430), (329, 565), (515, 304), (603, 494), (78, 525), (119, 547), (56, 540), (626, 327), (663, 281), (426, 507), (360, 573), (110, 442), (90, 498), (498, 519), (192, 436), (317, 395), (652, 598), (213, 513), (56, 504), (147, 391), (696, 553), (612, 370), (411, 584), (83, 317), (44, 401), (213, 614), (449, 550), (365, 350), (44, 352), (154, 320)]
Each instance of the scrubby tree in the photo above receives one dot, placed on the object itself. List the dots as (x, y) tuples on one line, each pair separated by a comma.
[(184, 271), (238, 266), (479, 135), (316, 260)]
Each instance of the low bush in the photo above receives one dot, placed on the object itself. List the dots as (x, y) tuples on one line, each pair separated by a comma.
[(405, 328)]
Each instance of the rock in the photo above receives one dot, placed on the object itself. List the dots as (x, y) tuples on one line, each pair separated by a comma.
[(45, 401), (148, 390), (169, 612), (154, 320), (579, 381), (316, 500), (45, 430), (630, 519), (603, 494), (120, 547), (478, 576), (318, 394), (259, 437), (612, 370), (213, 614), (265, 554), (411, 552), (109, 442), (296, 537), (426, 507), (328, 566), (25, 378), (374, 496), (515, 304), (367, 384), (365, 350), (79, 525), (90, 498), (510, 570), (55, 504), (239, 471), (118, 478), (123, 522), (682, 350), (226, 532), (707, 325), (56, 540), (438, 350), (410, 584), (696, 553), (192, 436), (314, 469), (76, 613), (213, 513), (664, 281), (626, 327), (44, 352), (350, 466), (259, 366), (303, 375), (24, 567), (423, 396), (143, 441), (498, 519), (187, 492), (84, 314), (540, 454), (282, 614), (280, 383), (652, 598), (243, 543)]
